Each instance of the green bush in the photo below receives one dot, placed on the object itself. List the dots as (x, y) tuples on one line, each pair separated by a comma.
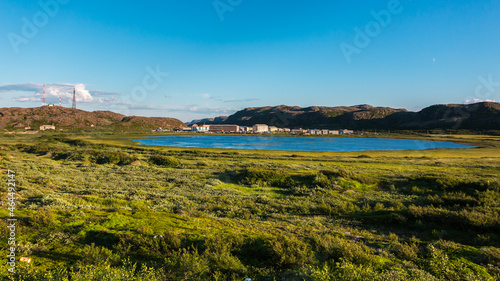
[(339, 173), (113, 157), (97, 255), (406, 251), (261, 177), (53, 200), (186, 265), (289, 252), (102, 272), (75, 142), (490, 255), (449, 183), (162, 160), (221, 259), (321, 180), (157, 247), (333, 247), (446, 268), (484, 220), (43, 217)]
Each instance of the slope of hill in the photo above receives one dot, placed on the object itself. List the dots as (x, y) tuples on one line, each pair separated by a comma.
[(67, 118), (216, 120), (138, 122), (484, 116)]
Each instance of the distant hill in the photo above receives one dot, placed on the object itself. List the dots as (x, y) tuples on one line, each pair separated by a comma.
[(216, 120), (484, 116), (67, 118)]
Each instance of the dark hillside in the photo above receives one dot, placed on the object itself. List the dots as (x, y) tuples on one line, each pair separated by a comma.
[(482, 116)]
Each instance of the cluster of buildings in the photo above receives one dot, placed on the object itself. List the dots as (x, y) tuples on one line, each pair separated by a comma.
[(261, 129), (42, 128), (46, 127)]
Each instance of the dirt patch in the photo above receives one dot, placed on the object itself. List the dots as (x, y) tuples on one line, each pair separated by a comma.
[(136, 163)]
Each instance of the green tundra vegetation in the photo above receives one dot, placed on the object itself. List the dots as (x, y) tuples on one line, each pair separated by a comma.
[(96, 206)]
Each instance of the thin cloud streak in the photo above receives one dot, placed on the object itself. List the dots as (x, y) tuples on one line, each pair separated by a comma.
[(241, 100)]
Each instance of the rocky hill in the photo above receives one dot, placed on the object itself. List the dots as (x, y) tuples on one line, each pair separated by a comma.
[(484, 116), (216, 120), (478, 116), (67, 118)]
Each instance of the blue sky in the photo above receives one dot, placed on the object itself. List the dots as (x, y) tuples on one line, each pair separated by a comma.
[(193, 59)]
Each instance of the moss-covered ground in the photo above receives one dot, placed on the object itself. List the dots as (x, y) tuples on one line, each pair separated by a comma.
[(97, 206)]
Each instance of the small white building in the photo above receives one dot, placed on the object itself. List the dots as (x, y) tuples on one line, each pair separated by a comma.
[(260, 128), (346, 132), (201, 129), (273, 129), (47, 127), (315, 132)]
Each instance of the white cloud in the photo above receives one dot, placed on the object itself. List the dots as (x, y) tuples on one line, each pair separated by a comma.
[(208, 96), (65, 91), (26, 99), (95, 93), (203, 110), (24, 87), (479, 100), (143, 107), (107, 100)]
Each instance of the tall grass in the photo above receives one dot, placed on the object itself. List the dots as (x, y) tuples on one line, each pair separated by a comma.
[(86, 213)]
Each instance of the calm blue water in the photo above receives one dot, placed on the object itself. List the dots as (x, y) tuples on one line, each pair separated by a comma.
[(295, 143)]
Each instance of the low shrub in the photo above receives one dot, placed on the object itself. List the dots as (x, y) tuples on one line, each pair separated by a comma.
[(44, 217), (186, 264), (490, 255), (260, 177), (332, 247), (97, 255), (113, 157), (406, 251), (289, 252), (162, 160), (339, 173)]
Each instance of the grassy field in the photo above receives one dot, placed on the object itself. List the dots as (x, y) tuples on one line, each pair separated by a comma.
[(96, 206)]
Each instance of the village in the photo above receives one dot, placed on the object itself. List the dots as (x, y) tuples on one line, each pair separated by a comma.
[(258, 129)]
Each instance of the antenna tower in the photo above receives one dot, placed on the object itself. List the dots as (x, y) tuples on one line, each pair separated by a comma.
[(74, 98), (43, 99)]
